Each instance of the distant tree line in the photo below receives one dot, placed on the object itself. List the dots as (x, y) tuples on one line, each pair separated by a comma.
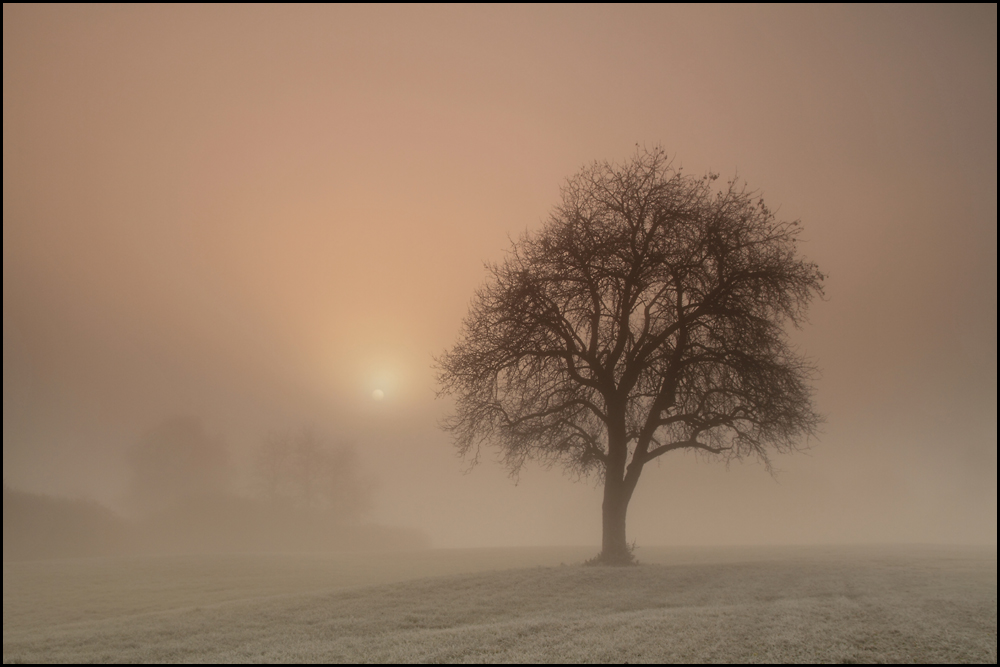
[(307, 494)]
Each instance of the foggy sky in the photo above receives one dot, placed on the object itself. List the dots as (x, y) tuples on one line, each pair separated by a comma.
[(259, 215)]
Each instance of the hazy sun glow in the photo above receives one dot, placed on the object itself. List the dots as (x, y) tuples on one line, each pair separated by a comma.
[(378, 394)]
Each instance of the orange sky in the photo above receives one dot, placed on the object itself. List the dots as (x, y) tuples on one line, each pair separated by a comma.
[(261, 214)]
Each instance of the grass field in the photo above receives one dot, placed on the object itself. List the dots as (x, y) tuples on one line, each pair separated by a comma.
[(913, 604)]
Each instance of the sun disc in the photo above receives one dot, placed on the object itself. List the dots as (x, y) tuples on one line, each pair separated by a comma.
[(378, 394)]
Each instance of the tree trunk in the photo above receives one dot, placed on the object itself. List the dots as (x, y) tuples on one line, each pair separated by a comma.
[(614, 548), (617, 492)]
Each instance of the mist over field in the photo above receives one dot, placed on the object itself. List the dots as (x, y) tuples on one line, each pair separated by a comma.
[(238, 241)]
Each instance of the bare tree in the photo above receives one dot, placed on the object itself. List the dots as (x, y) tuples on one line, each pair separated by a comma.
[(272, 465), (310, 465), (176, 461), (309, 470), (647, 316)]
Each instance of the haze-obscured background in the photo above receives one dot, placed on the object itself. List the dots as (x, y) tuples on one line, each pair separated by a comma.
[(250, 218)]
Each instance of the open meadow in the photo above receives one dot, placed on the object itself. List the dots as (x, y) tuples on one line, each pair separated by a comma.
[(810, 604)]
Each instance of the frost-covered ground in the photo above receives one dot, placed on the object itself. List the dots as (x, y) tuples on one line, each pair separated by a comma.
[(924, 604)]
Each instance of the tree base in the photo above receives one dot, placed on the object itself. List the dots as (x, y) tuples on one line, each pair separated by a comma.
[(617, 558)]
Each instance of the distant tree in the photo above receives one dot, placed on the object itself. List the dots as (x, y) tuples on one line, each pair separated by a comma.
[(178, 460), (272, 465), (309, 470), (647, 316)]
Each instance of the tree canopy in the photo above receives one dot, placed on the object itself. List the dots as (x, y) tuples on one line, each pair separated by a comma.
[(647, 315)]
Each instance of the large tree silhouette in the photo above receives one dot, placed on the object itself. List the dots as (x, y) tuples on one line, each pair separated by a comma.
[(646, 316)]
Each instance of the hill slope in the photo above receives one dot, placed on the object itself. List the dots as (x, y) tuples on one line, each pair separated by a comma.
[(927, 606)]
